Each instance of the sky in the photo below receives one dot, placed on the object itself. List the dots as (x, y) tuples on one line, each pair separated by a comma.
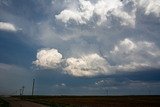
[(80, 47)]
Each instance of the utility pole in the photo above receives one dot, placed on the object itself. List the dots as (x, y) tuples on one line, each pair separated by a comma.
[(23, 90), (33, 87), (107, 91), (20, 92)]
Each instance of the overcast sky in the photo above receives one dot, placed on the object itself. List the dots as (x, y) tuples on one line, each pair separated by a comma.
[(80, 47)]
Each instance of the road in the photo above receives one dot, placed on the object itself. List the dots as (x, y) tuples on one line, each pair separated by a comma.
[(14, 102)]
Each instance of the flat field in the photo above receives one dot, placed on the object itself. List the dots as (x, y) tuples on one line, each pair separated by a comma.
[(3, 103), (95, 101)]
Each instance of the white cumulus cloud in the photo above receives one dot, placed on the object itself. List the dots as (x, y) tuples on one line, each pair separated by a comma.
[(150, 6), (48, 58), (84, 14), (135, 55), (103, 9), (7, 27), (88, 65), (126, 56)]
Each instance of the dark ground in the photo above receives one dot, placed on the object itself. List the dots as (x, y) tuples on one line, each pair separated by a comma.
[(95, 101), (3, 103), (17, 102)]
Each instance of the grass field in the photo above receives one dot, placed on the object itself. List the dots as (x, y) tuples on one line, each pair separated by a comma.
[(95, 101)]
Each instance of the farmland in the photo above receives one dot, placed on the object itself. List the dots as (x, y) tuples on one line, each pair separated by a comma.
[(94, 101)]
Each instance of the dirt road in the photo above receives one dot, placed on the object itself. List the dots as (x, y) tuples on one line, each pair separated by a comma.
[(14, 102)]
